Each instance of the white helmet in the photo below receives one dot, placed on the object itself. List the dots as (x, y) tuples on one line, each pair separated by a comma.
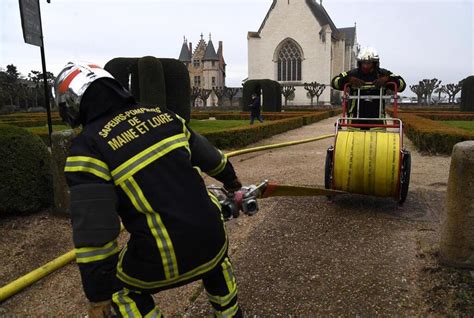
[(368, 54), (71, 84)]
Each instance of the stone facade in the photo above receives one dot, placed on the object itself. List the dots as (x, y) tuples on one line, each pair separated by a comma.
[(206, 66), (324, 50)]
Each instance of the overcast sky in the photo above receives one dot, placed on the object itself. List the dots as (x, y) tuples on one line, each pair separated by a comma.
[(416, 39)]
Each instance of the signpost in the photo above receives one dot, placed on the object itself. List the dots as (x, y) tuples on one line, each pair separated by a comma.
[(33, 34)]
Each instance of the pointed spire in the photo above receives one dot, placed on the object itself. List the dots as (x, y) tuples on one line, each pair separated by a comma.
[(210, 54), (185, 54), (202, 36)]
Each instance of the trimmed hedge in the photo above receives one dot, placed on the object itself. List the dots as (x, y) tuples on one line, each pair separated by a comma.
[(152, 82), (163, 82), (178, 87), (25, 171), (271, 91), (467, 94), (242, 136), (123, 69), (433, 136)]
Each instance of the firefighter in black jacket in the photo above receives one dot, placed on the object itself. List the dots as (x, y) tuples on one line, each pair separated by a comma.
[(369, 77), (142, 164)]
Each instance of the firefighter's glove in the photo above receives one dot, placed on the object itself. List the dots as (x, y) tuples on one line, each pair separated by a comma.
[(234, 185), (381, 81), (355, 82), (100, 309)]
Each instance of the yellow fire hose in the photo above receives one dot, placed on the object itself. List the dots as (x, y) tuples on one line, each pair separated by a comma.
[(32, 277), (280, 145), (367, 163)]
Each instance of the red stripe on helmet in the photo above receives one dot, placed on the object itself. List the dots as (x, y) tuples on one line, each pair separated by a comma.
[(65, 84), (94, 66)]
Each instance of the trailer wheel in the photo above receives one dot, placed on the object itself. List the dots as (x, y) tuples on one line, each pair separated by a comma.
[(328, 170), (405, 176)]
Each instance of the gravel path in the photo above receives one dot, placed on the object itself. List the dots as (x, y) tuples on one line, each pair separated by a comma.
[(296, 257)]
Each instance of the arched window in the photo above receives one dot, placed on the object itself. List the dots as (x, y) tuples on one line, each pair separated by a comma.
[(289, 61)]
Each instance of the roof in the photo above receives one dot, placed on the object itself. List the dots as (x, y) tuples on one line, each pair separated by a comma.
[(210, 54), (349, 34), (185, 55), (319, 13), (322, 16)]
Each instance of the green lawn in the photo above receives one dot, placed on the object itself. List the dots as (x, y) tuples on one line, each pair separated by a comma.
[(201, 126), (468, 125)]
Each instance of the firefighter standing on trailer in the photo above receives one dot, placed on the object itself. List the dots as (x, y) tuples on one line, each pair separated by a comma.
[(368, 71), (142, 165)]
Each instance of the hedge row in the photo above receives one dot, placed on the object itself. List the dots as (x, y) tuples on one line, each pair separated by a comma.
[(433, 136), (242, 136), (441, 117)]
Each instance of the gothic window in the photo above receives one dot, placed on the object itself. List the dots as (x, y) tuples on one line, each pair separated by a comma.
[(289, 62), (213, 81), (213, 63), (196, 63), (197, 81)]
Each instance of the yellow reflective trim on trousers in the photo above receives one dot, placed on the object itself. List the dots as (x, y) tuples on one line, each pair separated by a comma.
[(231, 285), (220, 167), (155, 313), (126, 305), (92, 254), (156, 226), (88, 164), (147, 156), (336, 82), (157, 284), (229, 313)]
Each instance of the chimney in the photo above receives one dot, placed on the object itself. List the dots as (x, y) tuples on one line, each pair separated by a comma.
[(220, 50), (190, 47)]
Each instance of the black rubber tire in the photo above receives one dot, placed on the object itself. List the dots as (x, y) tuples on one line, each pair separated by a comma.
[(405, 176), (328, 170)]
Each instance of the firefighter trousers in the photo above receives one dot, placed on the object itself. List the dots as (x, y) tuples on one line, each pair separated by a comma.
[(220, 286)]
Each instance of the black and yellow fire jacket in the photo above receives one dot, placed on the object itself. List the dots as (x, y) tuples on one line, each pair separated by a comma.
[(368, 109), (154, 161)]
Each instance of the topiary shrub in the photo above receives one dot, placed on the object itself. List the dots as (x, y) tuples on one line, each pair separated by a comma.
[(25, 171), (125, 70), (250, 87), (467, 94), (178, 87), (271, 91), (152, 81)]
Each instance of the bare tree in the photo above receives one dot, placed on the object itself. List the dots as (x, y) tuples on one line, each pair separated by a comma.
[(452, 90), (204, 95), (314, 89), (440, 90), (429, 85), (194, 95), (418, 90), (219, 91), (287, 91), (230, 92)]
